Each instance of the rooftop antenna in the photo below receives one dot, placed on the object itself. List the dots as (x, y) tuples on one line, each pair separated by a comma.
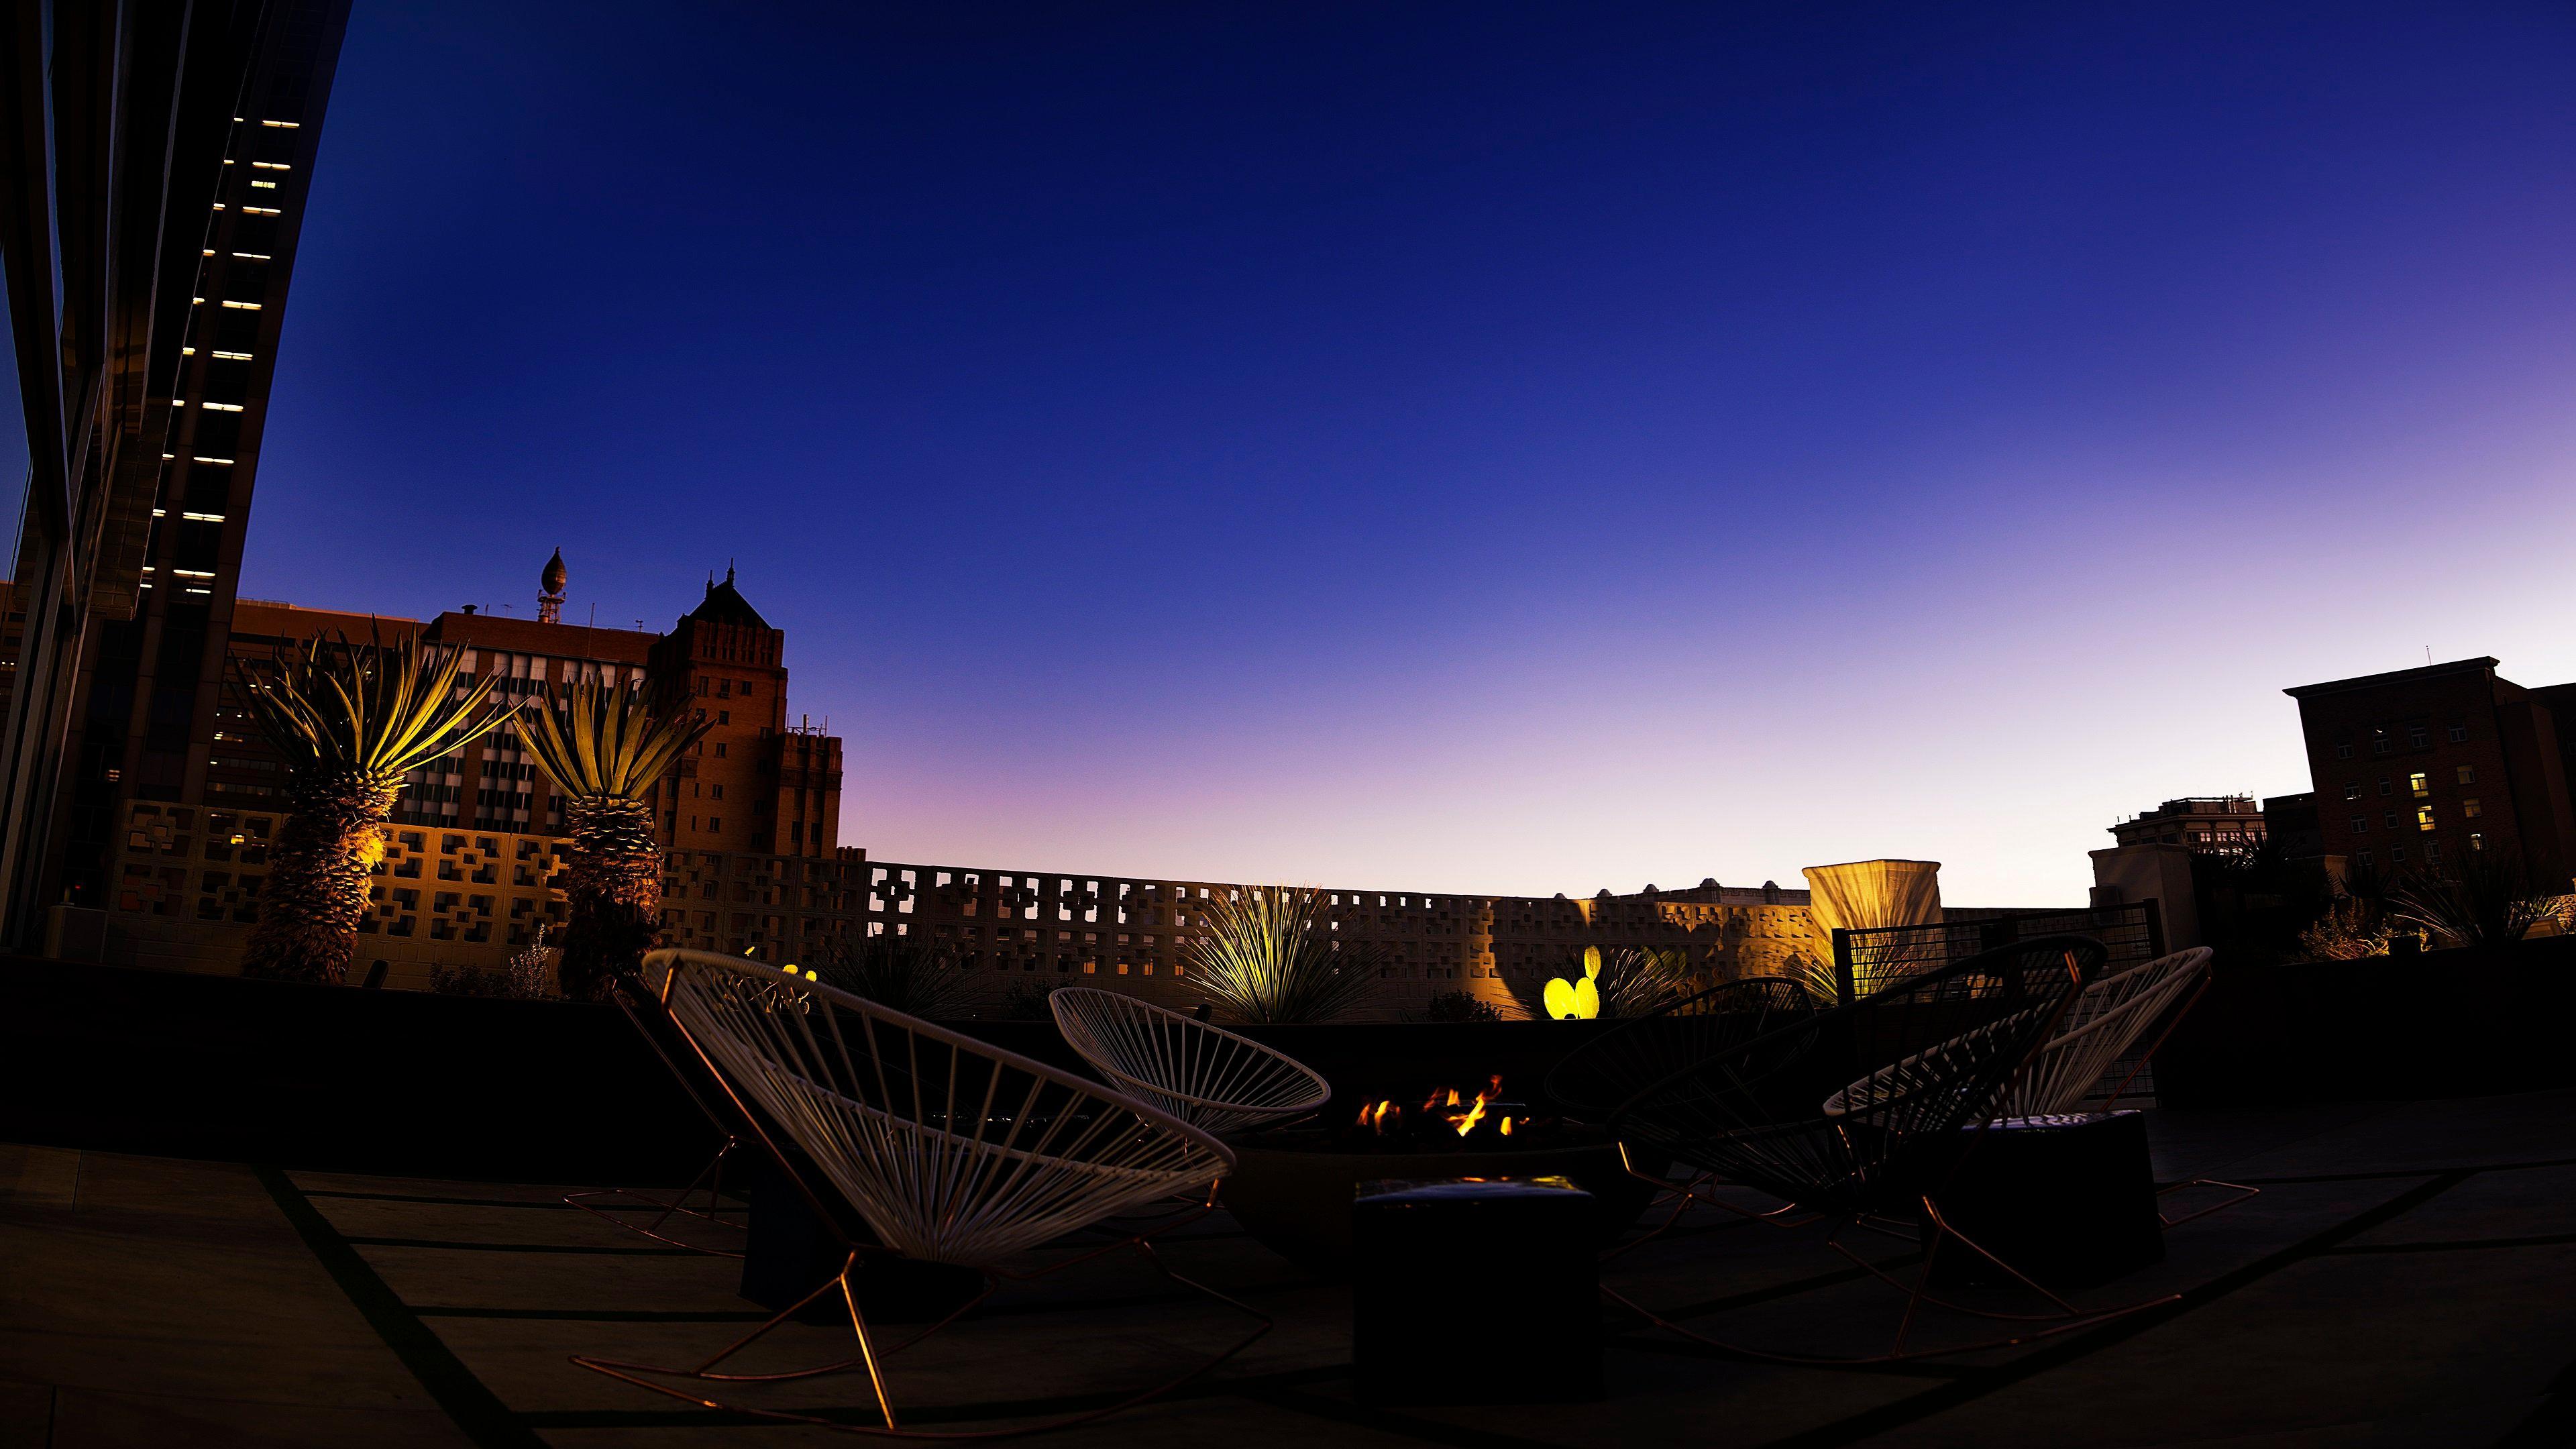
[(2428, 654)]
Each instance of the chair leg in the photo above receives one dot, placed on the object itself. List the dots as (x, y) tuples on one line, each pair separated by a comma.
[(2240, 1193), (710, 1176), (1916, 1295), (870, 1357)]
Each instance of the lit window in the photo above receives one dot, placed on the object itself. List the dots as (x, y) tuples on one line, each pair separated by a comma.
[(233, 356), (2423, 817), (210, 460), (265, 185), (2416, 786), (2468, 774), (262, 211), (198, 517), (270, 166), (2470, 809), (237, 407), (280, 125), (250, 256), (241, 306), (2477, 842)]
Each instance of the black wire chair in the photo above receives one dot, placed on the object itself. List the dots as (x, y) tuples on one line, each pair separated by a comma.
[(1936, 1054), (1593, 1080)]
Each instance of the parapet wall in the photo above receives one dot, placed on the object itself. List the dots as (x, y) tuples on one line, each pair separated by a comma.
[(188, 883)]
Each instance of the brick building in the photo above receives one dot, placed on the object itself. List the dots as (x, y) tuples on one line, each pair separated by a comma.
[(2414, 767), (2203, 822)]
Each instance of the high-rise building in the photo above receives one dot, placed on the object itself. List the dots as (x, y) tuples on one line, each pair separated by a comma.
[(156, 161), (151, 686), (2415, 767), (755, 783)]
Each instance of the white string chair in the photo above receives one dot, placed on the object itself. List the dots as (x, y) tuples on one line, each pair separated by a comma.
[(1205, 1075), (949, 1150), (2103, 1024), (2100, 1028)]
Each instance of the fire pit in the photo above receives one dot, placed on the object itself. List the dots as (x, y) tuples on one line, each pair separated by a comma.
[(1292, 1190)]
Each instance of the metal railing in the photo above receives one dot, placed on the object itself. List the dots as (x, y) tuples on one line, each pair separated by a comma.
[(1872, 957)]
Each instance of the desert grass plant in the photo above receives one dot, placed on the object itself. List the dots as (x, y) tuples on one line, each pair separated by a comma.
[(2479, 899), (349, 719), (899, 975), (1270, 958), (1458, 1006), (605, 747)]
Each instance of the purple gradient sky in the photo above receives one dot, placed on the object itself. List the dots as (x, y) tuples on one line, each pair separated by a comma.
[(1469, 448)]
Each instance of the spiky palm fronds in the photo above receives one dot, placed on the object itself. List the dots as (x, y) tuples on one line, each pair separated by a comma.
[(350, 719), (2481, 899), (1270, 957), (604, 748), (896, 973)]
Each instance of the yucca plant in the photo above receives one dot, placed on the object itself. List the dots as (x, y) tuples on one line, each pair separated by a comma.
[(898, 974), (350, 720), (605, 747), (1270, 957), (2481, 899)]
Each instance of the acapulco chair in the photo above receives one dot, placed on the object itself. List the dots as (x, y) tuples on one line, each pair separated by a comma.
[(945, 1150), (608, 1203), (1591, 1082), (2108, 1019), (1207, 1076), (1943, 1048)]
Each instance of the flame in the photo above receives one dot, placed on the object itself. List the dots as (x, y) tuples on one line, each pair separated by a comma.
[(1466, 1121), (1507, 1126), (1374, 1118)]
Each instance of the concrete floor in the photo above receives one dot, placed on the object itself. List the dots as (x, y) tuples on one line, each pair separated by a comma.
[(2407, 1277)]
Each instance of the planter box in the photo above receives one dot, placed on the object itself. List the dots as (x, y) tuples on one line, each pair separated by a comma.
[(338, 1078)]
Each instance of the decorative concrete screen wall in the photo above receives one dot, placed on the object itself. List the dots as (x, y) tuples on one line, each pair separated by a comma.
[(189, 884)]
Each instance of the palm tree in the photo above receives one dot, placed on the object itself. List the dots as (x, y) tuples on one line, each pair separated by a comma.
[(605, 750), (350, 720)]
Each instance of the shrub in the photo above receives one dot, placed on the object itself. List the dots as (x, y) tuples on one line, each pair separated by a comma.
[(1459, 1006), (899, 976), (2482, 898), (1270, 957)]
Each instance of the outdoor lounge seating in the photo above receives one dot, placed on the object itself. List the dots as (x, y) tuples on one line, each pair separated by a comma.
[(2105, 1021), (1941, 1050), (945, 1151), (1205, 1075)]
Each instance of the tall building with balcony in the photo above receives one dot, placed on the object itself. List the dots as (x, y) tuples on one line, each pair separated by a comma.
[(150, 687)]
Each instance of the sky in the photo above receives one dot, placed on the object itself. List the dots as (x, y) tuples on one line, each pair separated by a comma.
[(1508, 449)]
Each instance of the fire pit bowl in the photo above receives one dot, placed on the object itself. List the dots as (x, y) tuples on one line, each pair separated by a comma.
[(1293, 1190)]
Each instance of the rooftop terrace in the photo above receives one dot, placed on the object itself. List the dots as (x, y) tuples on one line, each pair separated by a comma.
[(2408, 1276)]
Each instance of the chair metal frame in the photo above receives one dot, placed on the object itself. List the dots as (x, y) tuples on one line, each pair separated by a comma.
[(1216, 1080), (1889, 1139), (710, 1177), (2108, 1019), (942, 1148)]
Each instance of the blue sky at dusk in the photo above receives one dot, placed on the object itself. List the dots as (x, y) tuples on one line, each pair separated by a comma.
[(1467, 447)]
